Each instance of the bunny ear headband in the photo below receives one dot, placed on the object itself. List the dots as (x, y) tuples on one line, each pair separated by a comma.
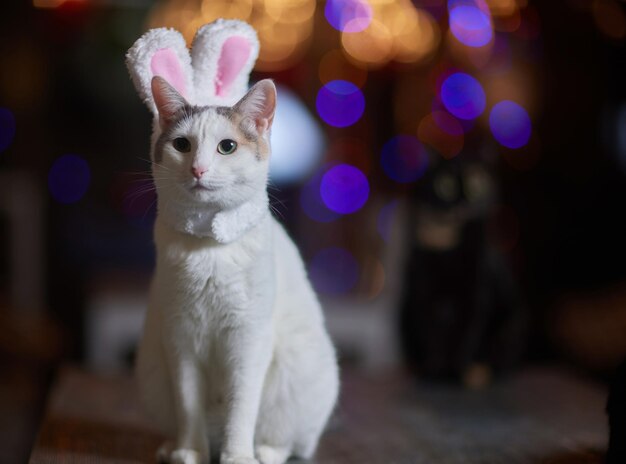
[(215, 71)]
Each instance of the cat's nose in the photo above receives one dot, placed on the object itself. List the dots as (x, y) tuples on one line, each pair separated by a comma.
[(197, 171)]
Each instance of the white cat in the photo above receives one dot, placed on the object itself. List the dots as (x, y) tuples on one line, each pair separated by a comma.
[(235, 356)]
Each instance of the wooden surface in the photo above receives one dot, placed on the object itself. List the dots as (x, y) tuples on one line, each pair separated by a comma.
[(539, 416)]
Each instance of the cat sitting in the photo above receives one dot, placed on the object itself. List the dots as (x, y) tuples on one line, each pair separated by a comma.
[(234, 360)]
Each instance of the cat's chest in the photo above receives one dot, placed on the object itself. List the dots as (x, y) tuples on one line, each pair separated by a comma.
[(203, 275), (209, 275)]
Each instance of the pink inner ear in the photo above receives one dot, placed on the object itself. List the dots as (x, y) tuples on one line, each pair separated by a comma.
[(235, 53), (166, 65)]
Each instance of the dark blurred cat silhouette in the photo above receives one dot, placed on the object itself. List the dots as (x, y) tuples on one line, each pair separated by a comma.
[(461, 318)]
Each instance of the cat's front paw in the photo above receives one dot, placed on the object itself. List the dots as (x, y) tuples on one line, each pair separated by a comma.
[(186, 456), (233, 459)]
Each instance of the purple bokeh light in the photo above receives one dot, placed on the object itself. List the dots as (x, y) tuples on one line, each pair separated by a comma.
[(333, 271), (348, 15), (470, 22), (510, 124), (340, 103), (7, 128), (463, 96), (69, 178), (404, 159), (344, 189), (311, 199)]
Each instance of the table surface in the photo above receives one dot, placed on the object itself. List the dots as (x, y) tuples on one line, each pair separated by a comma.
[(540, 415)]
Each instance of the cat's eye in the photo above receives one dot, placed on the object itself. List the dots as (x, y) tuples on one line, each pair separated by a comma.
[(182, 144), (477, 185), (446, 187), (227, 147)]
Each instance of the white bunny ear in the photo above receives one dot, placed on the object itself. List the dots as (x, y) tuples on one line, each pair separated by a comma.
[(160, 52), (223, 54)]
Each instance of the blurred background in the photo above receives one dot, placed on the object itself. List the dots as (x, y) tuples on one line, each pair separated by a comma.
[(452, 171)]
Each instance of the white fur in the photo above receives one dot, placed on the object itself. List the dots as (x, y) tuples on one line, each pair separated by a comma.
[(205, 52), (139, 58), (235, 358)]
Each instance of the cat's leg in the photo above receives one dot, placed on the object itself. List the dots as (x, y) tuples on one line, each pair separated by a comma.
[(278, 415), (272, 454), (188, 388), (248, 350), (298, 397)]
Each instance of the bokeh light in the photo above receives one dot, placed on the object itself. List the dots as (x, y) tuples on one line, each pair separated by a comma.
[(377, 279), (404, 159), (344, 189), (334, 65), (501, 60), (340, 103), (610, 18), (510, 124), (348, 15), (297, 140), (311, 199), (470, 22), (463, 96), (415, 32), (284, 27), (448, 123), (502, 8), (530, 26), (287, 11), (372, 47), (333, 271), (445, 143), (385, 219), (398, 31), (69, 178), (7, 128)]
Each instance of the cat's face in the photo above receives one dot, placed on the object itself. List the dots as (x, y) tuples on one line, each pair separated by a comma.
[(216, 156)]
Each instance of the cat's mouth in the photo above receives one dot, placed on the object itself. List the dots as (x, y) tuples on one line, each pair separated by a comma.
[(201, 187)]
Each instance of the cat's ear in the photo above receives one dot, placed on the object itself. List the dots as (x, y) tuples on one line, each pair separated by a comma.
[(258, 106), (223, 54), (160, 52), (167, 100)]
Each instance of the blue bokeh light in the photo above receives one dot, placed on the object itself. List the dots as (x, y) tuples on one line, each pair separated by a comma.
[(340, 103), (510, 124), (69, 178), (463, 96), (333, 271), (470, 22), (311, 199), (344, 189), (348, 15), (7, 128), (404, 159)]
